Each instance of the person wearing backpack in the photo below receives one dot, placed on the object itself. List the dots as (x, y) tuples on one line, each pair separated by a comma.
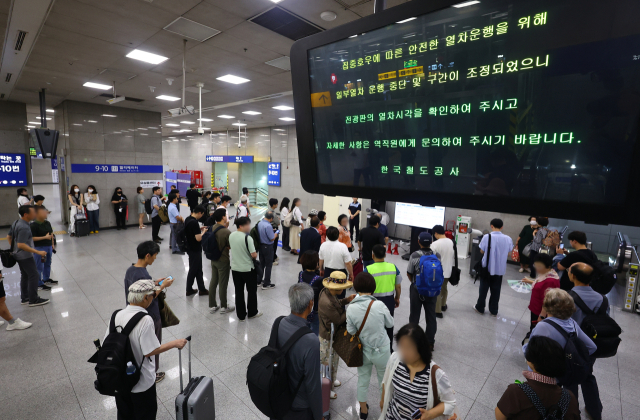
[(582, 254), (221, 267), (558, 306), (388, 283), (545, 358), (416, 300), (141, 402), (193, 234), (501, 246)]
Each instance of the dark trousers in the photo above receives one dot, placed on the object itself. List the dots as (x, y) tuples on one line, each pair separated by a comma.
[(94, 217), (354, 223), (493, 283), (195, 270), (138, 406), (28, 279), (534, 321), (532, 257), (240, 280), (591, 396), (155, 227), (285, 238), (391, 305), (121, 219), (266, 263), (416, 303), (305, 414), (275, 250)]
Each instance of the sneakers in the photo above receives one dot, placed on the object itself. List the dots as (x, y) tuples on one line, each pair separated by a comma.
[(39, 302), (159, 376), (476, 309), (18, 325), (241, 320), (275, 262), (192, 292), (229, 308), (439, 315), (24, 302), (336, 383), (50, 282), (1, 323), (269, 287), (333, 395), (213, 309), (44, 287), (444, 308), (91, 233), (96, 231), (521, 270), (258, 315), (204, 292), (494, 315)]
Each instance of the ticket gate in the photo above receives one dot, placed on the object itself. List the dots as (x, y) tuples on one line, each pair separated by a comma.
[(627, 265)]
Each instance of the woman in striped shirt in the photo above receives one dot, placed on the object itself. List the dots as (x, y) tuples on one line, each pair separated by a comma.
[(413, 385)]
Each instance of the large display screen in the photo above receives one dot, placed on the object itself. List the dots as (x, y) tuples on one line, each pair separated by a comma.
[(13, 170), (525, 100), (419, 216)]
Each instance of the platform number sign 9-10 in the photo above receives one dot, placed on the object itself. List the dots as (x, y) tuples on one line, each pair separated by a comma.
[(273, 174), (13, 170)]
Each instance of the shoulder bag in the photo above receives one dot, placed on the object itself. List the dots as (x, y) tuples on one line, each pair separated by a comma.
[(168, 318), (256, 263), (454, 279), (483, 272), (6, 255), (348, 346)]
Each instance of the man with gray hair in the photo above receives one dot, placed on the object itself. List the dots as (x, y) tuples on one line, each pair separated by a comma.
[(243, 211), (141, 403), (303, 358), (267, 237)]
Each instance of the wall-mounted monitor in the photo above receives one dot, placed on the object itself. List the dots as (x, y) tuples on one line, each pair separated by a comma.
[(526, 107), (419, 216)]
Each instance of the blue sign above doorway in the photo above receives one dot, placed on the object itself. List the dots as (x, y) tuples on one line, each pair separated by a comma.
[(230, 159)]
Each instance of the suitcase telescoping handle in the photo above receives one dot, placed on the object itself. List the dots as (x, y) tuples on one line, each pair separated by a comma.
[(180, 363)]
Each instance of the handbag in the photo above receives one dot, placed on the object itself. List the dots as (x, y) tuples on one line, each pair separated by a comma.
[(526, 251), (483, 272), (515, 255), (168, 318), (454, 279), (348, 346), (6, 255)]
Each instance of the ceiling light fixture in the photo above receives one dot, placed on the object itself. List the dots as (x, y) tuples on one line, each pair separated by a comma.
[(227, 117), (172, 125), (283, 108), (92, 121), (97, 86), (109, 115), (328, 16), (147, 57), (205, 119), (230, 78), (287, 119), (410, 19), (465, 4), (239, 124), (167, 98), (187, 122), (50, 110), (251, 112)]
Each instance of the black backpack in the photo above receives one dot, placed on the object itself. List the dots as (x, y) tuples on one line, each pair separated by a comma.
[(603, 277), (556, 411), (147, 206), (600, 327), (181, 237), (267, 376), (210, 244), (6, 255), (112, 358), (577, 361)]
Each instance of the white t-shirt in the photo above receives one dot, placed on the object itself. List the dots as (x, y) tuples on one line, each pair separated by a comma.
[(297, 214), (247, 197), (143, 341), (242, 211), (444, 247), (23, 201), (334, 254), (284, 213)]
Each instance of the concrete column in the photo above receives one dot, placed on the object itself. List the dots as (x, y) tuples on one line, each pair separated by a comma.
[(106, 135), (14, 138)]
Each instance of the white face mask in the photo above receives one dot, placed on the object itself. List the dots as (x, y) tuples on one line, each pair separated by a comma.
[(76, 190), (90, 190), (533, 223)]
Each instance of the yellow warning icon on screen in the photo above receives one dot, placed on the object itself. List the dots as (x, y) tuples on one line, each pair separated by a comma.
[(320, 99)]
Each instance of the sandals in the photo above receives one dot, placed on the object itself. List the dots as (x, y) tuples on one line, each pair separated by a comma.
[(364, 416)]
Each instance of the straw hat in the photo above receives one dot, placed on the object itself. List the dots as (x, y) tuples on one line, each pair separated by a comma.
[(337, 281)]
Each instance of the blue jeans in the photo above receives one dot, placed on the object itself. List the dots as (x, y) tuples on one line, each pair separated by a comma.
[(314, 322), (94, 220), (44, 268)]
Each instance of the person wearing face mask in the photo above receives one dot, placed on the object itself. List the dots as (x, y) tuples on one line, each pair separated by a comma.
[(119, 201), (76, 201), (93, 209), (525, 238)]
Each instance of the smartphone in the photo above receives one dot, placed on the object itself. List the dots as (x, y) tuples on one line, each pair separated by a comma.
[(168, 278), (561, 246), (277, 231), (416, 414)]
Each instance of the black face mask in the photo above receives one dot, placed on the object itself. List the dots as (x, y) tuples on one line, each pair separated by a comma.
[(119, 192)]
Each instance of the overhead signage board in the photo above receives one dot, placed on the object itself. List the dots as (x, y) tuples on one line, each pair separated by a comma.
[(115, 169), (273, 174), (230, 159), (13, 170), (151, 183)]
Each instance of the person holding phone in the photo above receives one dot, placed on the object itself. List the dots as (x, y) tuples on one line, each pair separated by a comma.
[(147, 253), (267, 238), (119, 201)]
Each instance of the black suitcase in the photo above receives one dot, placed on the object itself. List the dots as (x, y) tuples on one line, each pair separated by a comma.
[(82, 225)]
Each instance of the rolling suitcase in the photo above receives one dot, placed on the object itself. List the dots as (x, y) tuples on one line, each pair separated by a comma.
[(196, 401), (82, 225), (327, 380)]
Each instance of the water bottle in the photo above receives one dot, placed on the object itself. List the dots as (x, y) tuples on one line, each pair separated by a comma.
[(130, 368)]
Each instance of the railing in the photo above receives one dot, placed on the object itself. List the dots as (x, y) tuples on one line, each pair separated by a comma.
[(258, 197)]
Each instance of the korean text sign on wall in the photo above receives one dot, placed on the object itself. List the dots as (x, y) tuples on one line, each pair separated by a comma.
[(273, 174), (13, 170)]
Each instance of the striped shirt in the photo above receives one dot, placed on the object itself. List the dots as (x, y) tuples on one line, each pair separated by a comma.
[(408, 396)]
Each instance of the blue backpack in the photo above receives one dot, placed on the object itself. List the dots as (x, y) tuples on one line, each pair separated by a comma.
[(430, 277)]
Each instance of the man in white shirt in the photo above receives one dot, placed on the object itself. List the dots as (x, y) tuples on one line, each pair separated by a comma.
[(141, 403), (242, 208), (224, 203), (334, 255), (444, 247)]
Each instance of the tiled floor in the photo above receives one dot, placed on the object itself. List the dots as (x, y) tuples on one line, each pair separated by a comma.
[(44, 373)]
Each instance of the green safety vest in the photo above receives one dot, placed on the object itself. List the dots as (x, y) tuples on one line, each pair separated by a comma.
[(385, 275)]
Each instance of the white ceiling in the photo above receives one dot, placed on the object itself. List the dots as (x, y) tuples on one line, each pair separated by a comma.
[(87, 40)]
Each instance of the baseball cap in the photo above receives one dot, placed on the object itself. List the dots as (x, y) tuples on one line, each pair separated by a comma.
[(144, 287), (439, 229), (425, 238)]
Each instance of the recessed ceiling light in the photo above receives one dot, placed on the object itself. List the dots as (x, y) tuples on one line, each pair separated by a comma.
[(283, 108), (147, 57), (187, 122), (172, 125), (226, 116), (251, 112), (177, 131), (186, 130), (287, 119), (176, 140), (97, 86), (92, 121), (50, 110), (76, 124), (31, 126), (353, 36), (278, 129), (34, 123), (230, 78), (466, 3), (328, 16), (167, 98), (205, 119), (239, 124), (109, 115), (276, 1), (412, 18)]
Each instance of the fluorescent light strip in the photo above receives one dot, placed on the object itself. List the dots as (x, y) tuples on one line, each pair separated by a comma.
[(465, 4), (167, 98), (50, 110), (239, 124), (410, 19), (283, 108), (287, 119), (109, 115), (230, 78), (252, 112), (205, 119), (96, 86), (172, 125), (187, 122), (147, 57), (226, 116)]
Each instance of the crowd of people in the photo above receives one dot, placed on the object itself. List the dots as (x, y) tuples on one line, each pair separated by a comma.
[(411, 384)]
